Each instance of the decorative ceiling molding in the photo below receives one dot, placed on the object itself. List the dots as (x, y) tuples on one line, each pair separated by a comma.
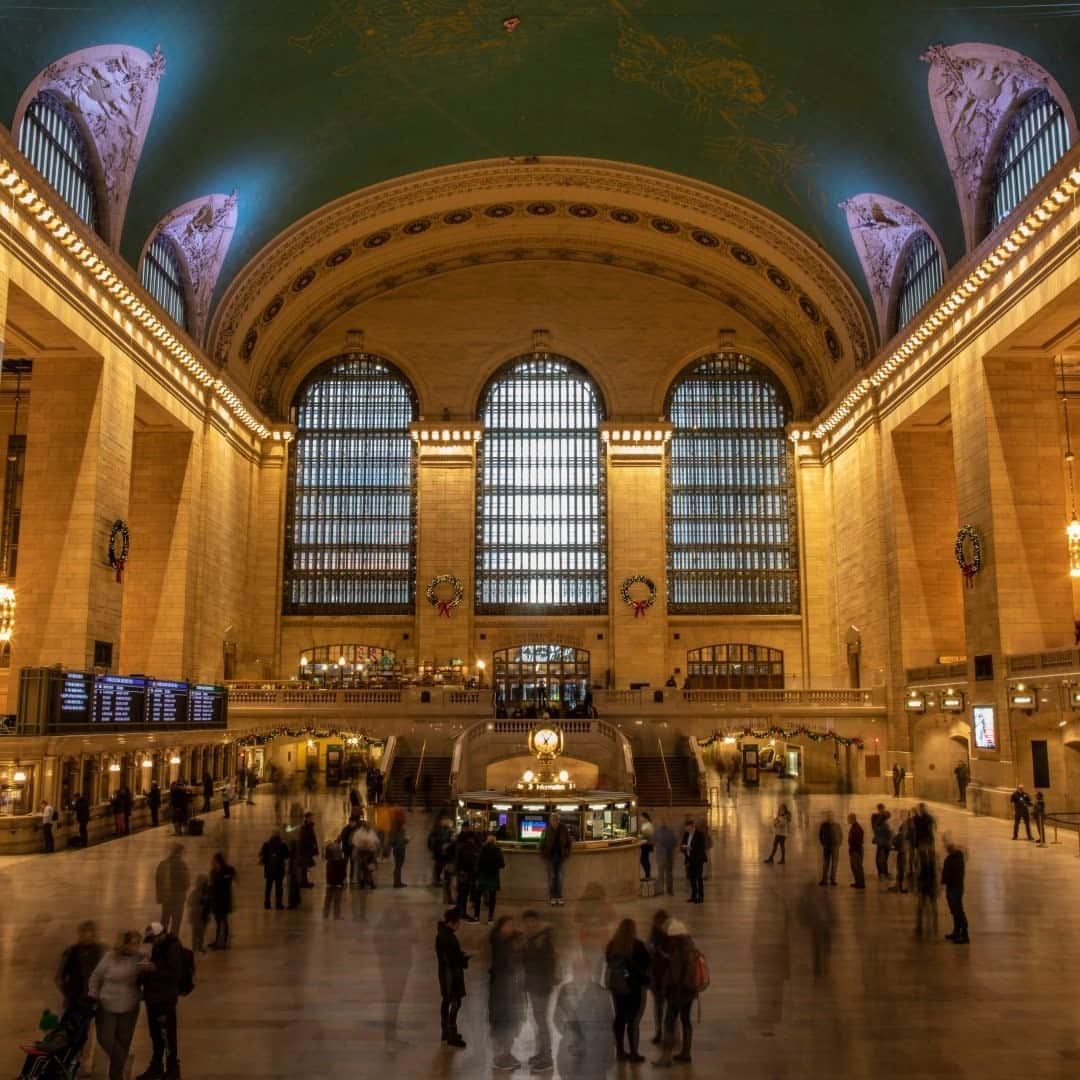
[(973, 90), (431, 199), (881, 229), (202, 230), (112, 88)]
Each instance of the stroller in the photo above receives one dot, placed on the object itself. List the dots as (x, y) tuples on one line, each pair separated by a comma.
[(56, 1055)]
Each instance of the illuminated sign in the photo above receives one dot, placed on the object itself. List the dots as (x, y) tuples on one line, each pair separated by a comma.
[(985, 729)]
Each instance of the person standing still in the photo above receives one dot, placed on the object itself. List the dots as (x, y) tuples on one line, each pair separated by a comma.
[(153, 800), (781, 824), (274, 855), (646, 846), (828, 837), (855, 852), (1039, 813), (114, 987), (48, 816), (160, 979), (882, 837), (207, 792), (694, 852), (898, 774), (82, 816), (555, 847), (952, 877), (1021, 803), (963, 777), (226, 796), (452, 962)]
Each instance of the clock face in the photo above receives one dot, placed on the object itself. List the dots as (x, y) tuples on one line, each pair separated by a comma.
[(546, 740)]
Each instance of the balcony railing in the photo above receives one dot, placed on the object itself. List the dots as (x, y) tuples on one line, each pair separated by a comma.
[(669, 700), (1053, 662)]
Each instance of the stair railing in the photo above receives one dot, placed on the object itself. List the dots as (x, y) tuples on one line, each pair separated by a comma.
[(420, 765), (386, 763), (699, 765), (667, 775)]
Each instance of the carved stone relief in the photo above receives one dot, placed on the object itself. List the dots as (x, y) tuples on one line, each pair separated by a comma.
[(113, 88), (973, 88), (880, 230), (202, 230)]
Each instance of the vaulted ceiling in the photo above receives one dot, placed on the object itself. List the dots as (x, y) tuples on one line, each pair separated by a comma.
[(796, 106)]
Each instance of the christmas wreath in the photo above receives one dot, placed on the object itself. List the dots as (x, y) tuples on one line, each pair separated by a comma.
[(443, 603), (968, 552), (119, 546), (639, 606)]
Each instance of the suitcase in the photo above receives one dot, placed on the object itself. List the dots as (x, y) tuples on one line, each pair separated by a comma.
[(648, 887), (195, 827)]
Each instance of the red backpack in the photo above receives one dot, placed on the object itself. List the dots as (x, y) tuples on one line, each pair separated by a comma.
[(697, 971)]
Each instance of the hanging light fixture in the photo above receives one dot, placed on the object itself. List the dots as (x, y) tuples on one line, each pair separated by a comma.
[(1072, 530), (19, 776)]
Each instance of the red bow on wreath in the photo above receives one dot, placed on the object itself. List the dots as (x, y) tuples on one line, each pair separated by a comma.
[(444, 607), (119, 564), (640, 607)]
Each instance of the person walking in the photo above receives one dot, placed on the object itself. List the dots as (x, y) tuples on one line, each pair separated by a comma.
[(679, 993), (465, 855), (829, 836), (178, 806), (541, 967), (489, 866), (82, 818), (695, 855), (153, 800), (207, 792), (198, 911), (1021, 803), (113, 985), (365, 847), (646, 832), (1038, 812), (440, 840), (160, 977), (274, 856), (505, 992), (452, 962), (627, 972), (222, 878), (399, 841), (308, 849), (902, 846), (926, 885), (226, 796), (555, 848), (116, 809), (659, 951), (952, 878), (172, 881), (77, 964), (664, 843), (127, 804), (882, 837), (48, 818), (337, 876), (781, 825), (855, 852)]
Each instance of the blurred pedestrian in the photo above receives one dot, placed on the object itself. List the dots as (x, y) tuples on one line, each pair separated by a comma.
[(680, 993), (901, 844), (153, 800), (207, 792), (198, 911), (399, 841), (855, 852), (489, 866), (226, 796), (659, 951), (665, 842), (222, 878), (438, 843), (505, 992), (465, 856), (881, 834), (336, 877), (77, 963), (898, 774), (952, 877), (172, 879), (829, 836), (365, 848), (113, 985), (81, 805), (646, 832), (926, 888), (781, 826), (452, 962), (274, 857), (540, 964), (308, 849), (627, 966), (48, 818), (178, 806), (583, 1019), (1038, 812)]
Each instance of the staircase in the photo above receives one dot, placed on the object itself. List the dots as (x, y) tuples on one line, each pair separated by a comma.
[(652, 781), (438, 768)]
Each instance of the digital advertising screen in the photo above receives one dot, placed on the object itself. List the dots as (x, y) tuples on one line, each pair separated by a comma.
[(984, 728), (531, 827)]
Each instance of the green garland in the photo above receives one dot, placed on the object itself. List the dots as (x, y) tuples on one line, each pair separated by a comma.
[(784, 733), (259, 738)]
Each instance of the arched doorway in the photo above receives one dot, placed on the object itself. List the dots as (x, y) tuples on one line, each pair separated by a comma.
[(541, 678), (735, 667)]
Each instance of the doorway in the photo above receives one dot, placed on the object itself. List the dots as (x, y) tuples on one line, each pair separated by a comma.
[(533, 679)]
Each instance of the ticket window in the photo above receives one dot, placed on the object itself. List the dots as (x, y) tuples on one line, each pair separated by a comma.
[(608, 824)]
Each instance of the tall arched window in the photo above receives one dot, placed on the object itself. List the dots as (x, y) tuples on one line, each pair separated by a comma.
[(541, 528), (1037, 138), (732, 544), (920, 278), (350, 540), (51, 141), (163, 278)]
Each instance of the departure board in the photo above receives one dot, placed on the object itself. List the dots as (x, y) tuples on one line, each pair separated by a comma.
[(76, 697), (166, 702), (119, 699), (207, 706)]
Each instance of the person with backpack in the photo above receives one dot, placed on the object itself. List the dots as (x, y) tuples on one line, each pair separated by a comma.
[(48, 818), (164, 977), (274, 856), (337, 876), (114, 986), (687, 976), (627, 972), (222, 877), (781, 824)]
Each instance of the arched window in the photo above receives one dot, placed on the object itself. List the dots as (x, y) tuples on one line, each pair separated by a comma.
[(51, 141), (732, 544), (920, 279), (350, 540), (541, 530), (163, 278), (1037, 138)]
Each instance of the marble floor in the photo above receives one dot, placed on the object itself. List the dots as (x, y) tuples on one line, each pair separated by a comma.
[(298, 996)]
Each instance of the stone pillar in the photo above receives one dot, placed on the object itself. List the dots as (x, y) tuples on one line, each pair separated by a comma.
[(445, 534), (77, 479), (266, 546), (153, 632), (637, 542)]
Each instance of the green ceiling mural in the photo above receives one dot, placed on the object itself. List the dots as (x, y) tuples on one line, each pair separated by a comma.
[(794, 105)]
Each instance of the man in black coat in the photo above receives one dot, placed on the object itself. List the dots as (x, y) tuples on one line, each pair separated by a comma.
[(127, 804), (1021, 803), (695, 855), (274, 855), (308, 848), (452, 963), (952, 877), (153, 800), (82, 816), (178, 805), (829, 836), (160, 978)]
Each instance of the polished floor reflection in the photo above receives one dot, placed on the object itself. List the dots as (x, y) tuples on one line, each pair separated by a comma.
[(805, 981)]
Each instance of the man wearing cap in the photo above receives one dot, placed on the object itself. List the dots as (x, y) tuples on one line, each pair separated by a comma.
[(159, 978)]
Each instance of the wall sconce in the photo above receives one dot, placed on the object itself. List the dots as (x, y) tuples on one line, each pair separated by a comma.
[(1023, 698), (952, 701), (174, 759), (19, 776), (915, 702), (114, 766), (147, 763)]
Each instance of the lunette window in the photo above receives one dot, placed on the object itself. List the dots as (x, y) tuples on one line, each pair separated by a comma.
[(163, 278), (541, 528), (732, 545), (920, 279), (52, 142), (350, 541)]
